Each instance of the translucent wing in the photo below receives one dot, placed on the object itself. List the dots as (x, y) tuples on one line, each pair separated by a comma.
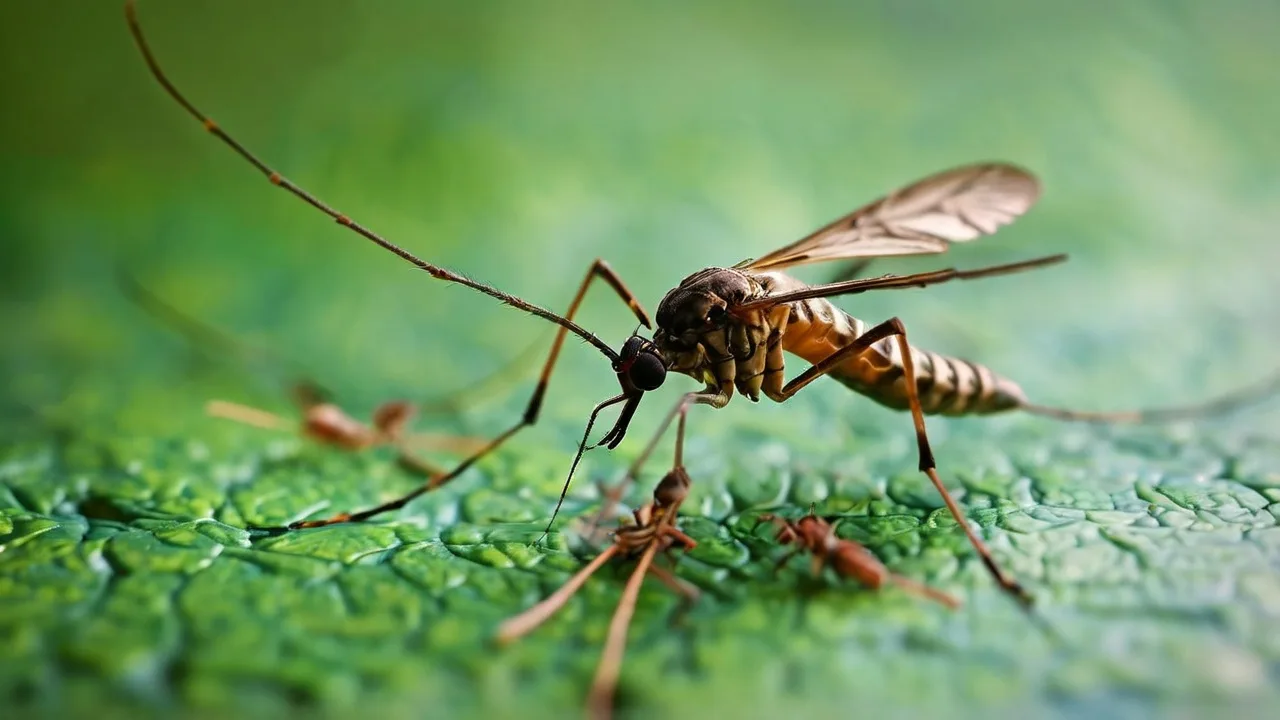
[(953, 206)]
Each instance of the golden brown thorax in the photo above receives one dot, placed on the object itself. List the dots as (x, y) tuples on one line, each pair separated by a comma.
[(699, 336)]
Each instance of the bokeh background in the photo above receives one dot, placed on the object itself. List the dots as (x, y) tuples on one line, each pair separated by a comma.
[(516, 143)]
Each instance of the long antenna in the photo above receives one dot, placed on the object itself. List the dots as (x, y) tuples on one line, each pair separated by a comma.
[(440, 273)]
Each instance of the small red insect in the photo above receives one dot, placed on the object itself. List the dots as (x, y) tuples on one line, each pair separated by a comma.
[(846, 557)]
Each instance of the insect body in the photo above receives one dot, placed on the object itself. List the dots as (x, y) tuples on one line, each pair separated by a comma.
[(746, 351), (846, 557), (730, 326), (328, 424)]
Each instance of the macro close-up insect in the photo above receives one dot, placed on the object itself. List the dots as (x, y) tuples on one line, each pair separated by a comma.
[(728, 327), (1034, 486)]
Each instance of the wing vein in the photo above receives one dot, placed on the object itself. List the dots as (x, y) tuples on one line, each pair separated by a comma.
[(926, 217)]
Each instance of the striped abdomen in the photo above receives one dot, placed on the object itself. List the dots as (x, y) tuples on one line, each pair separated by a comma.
[(947, 385)]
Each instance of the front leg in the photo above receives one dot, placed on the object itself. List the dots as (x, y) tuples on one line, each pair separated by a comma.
[(598, 270)]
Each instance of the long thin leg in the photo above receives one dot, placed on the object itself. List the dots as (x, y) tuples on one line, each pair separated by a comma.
[(499, 382), (668, 497), (598, 269), (205, 339), (663, 535), (418, 465), (424, 442), (893, 328), (919, 589), (600, 701), (527, 621), (614, 495), (246, 415), (687, 590)]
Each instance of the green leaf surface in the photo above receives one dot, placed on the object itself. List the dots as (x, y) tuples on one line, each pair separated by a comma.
[(516, 143)]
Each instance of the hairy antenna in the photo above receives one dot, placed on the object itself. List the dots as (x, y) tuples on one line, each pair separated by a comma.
[(277, 179)]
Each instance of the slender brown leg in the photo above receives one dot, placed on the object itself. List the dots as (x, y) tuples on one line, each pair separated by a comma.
[(458, 444), (893, 328), (520, 625), (599, 269), (603, 687), (419, 466), (246, 415), (668, 496), (921, 590), (614, 495), (686, 590)]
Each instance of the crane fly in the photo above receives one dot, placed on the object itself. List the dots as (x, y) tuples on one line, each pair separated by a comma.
[(729, 327)]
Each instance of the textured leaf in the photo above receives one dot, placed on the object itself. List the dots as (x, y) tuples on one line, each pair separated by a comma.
[(516, 144)]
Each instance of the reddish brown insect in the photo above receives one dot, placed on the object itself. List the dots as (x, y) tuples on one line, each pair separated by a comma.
[(654, 531), (847, 558), (323, 421), (328, 424)]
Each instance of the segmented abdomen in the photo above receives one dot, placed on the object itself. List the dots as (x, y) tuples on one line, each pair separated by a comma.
[(946, 385)]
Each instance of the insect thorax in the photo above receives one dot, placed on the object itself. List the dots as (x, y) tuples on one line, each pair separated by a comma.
[(699, 335)]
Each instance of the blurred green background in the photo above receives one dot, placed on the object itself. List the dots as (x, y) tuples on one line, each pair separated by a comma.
[(515, 143)]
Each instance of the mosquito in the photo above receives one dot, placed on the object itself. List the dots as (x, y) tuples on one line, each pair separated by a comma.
[(729, 327)]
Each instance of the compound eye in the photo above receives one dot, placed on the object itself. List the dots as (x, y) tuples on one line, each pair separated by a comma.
[(716, 316), (647, 372)]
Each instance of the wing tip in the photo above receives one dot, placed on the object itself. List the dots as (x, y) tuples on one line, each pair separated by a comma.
[(1014, 175)]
